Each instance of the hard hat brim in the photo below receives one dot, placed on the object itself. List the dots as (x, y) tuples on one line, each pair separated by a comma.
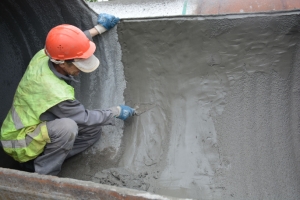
[(87, 65)]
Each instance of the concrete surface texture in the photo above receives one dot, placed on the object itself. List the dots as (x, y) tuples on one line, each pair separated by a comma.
[(226, 91), (226, 121)]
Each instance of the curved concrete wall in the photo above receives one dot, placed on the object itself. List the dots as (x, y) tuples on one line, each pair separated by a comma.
[(226, 90)]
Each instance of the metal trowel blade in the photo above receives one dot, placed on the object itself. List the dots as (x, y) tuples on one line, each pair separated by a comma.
[(141, 108)]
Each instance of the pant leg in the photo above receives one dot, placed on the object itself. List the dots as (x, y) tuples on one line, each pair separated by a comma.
[(62, 133), (87, 136)]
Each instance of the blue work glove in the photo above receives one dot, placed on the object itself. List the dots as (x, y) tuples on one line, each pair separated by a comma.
[(107, 21), (125, 112)]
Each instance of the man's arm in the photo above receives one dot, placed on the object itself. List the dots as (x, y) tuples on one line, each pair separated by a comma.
[(105, 22), (93, 32), (73, 109)]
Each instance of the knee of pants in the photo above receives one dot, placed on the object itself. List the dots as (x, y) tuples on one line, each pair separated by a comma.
[(63, 129)]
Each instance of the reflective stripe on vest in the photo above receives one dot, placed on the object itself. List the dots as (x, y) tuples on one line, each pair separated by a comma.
[(24, 142), (15, 117)]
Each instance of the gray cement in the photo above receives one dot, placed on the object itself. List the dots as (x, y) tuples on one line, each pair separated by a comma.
[(226, 125), (226, 90)]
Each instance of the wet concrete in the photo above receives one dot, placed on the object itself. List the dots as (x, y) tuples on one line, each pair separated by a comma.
[(226, 124), (226, 90)]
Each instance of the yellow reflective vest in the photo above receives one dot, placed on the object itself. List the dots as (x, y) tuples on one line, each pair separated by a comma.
[(23, 135)]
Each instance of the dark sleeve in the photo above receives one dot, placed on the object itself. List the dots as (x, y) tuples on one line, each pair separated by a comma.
[(73, 109), (88, 35)]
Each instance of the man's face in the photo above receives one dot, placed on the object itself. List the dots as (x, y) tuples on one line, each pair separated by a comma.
[(70, 69)]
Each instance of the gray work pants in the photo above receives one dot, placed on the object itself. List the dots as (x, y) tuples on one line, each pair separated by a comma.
[(67, 140)]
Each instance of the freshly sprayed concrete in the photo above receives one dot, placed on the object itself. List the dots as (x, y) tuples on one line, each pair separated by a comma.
[(226, 121), (227, 95), (226, 124)]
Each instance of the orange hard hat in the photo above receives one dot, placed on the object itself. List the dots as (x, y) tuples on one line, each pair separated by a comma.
[(65, 42)]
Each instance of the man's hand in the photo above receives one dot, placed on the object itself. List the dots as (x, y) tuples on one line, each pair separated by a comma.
[(107, 21), (125, 112)]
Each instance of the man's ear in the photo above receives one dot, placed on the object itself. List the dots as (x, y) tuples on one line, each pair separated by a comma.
[(60, 68), (63, 65)]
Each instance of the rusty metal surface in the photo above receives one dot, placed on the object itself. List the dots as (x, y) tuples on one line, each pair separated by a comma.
[(22, 185), (214, 7)]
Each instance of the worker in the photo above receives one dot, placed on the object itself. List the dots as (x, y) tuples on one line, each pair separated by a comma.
[(46, 124)]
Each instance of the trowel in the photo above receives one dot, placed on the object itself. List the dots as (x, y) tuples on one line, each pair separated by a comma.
[(141, 108)]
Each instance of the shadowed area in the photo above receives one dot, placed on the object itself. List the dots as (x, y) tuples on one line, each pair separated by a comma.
[(24, 27)]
